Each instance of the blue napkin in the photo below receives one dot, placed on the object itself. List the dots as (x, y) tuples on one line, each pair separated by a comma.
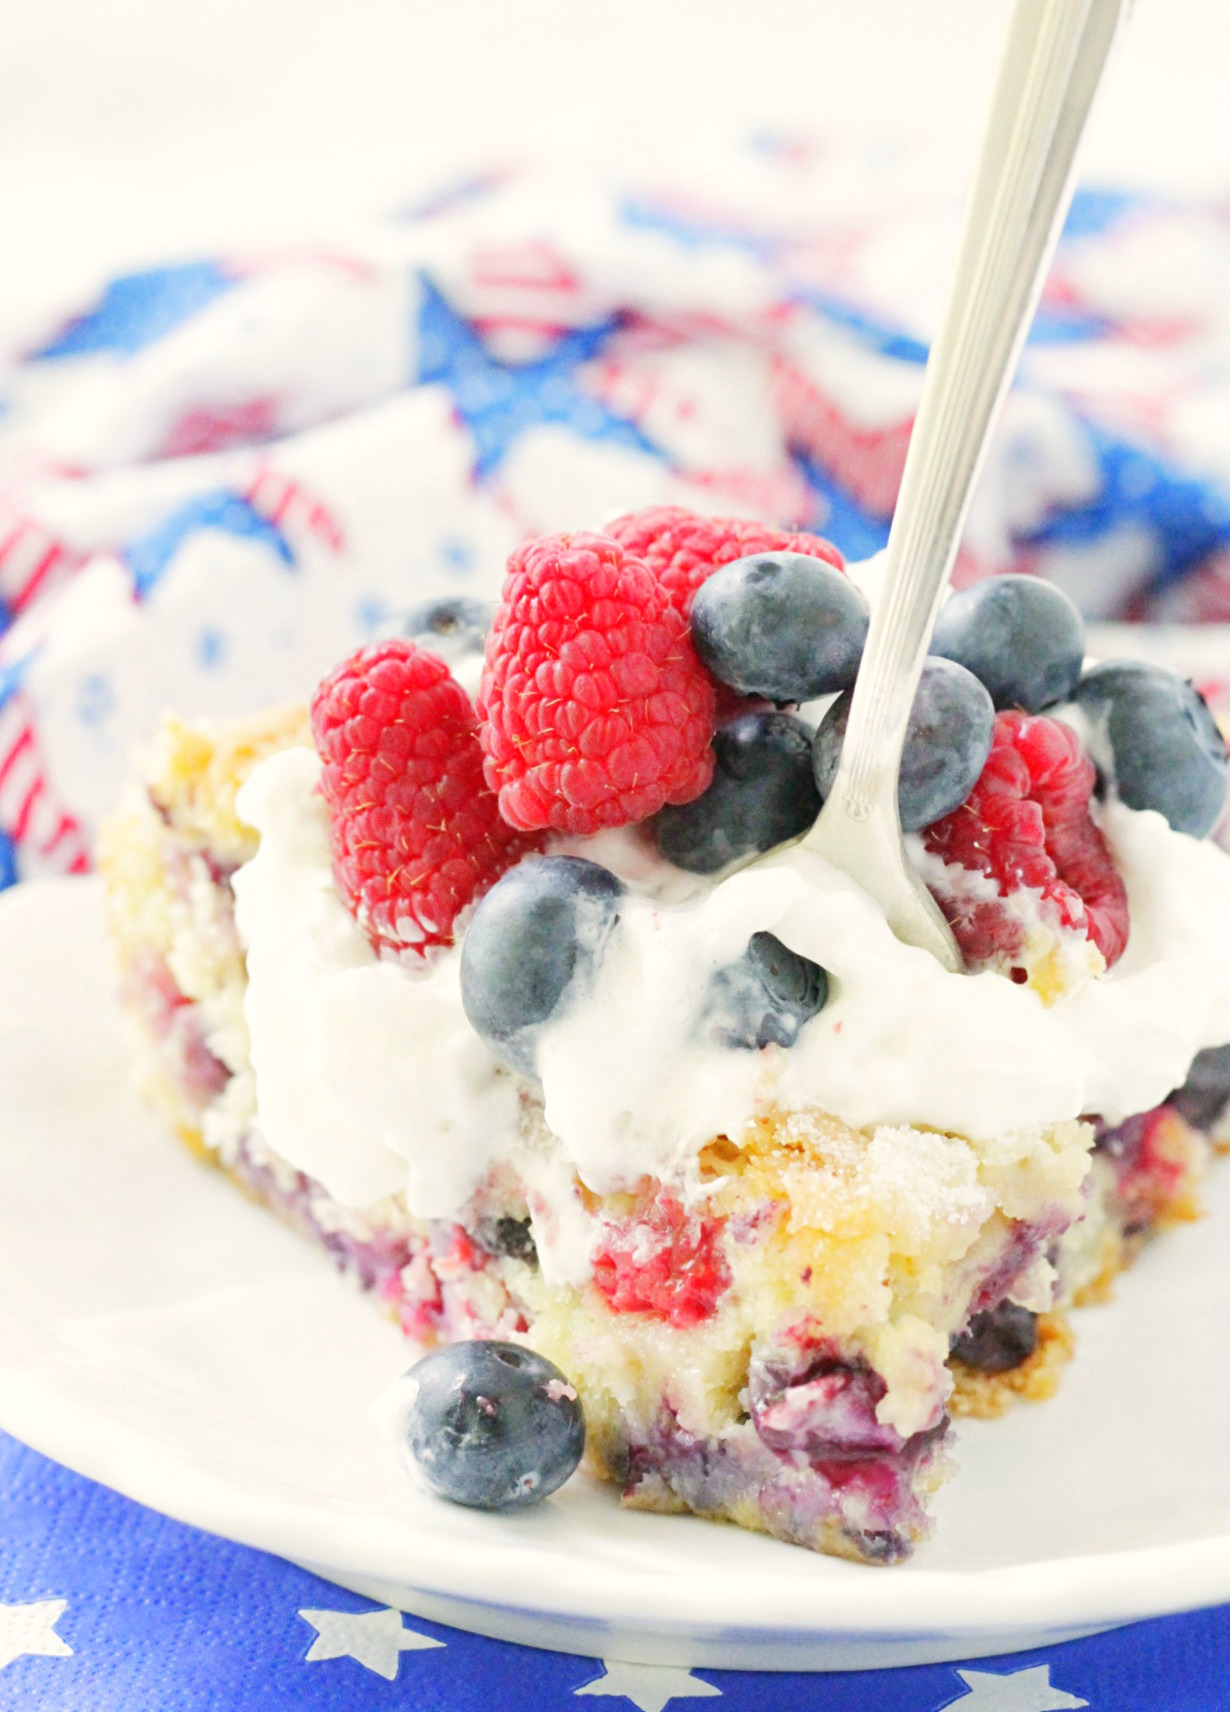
[(107, 1607)]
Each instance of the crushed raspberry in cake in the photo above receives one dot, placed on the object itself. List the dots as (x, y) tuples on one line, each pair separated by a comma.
[(1026, 825), (1156, 1163), (682, 549), (820, 1406), (417, 836), (595, 708), (176, 1022), (668, 1264)]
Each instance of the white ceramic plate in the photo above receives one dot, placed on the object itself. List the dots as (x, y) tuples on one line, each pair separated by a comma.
[(162, 1335)]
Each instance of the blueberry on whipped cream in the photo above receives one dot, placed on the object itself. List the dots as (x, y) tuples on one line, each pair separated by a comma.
[(1021, 636), (947, 743), (1156, 742), (532, 949), (762, 794), (455, 626), (765, 998), (786, 626)]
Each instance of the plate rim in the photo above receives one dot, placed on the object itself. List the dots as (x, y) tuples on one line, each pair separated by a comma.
[(1142, 1582), (828, 1599)]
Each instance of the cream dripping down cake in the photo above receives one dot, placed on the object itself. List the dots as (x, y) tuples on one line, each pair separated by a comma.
[(505, 972)]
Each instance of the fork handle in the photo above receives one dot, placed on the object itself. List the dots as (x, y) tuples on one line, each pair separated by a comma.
[(1052, 64)]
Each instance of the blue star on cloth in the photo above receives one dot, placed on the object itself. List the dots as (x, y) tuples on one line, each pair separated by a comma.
[(497, 402), (137, 309), (108, 1607), (149, 554)]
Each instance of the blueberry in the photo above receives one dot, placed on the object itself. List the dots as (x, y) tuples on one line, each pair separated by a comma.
[(765, 998), (452, 627), (1157, 743), (946, 744), (1205, 1094), (762, 794), (1022, 637), (998, 1340), (780, 625), (493, 1425), (1123, 1142), (878, 1545), (511, 1237), (532, 948)]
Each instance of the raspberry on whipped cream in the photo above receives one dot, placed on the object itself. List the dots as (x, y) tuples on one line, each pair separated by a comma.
[(1027, 826), (595, 709), (416, 834), (683, 550)]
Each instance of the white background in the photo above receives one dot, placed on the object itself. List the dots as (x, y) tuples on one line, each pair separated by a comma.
[(132, 130)]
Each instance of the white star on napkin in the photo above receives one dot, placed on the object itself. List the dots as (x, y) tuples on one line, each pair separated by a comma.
[(30, 1630), (1018, 1691), (374, 1639), (649, 1686)]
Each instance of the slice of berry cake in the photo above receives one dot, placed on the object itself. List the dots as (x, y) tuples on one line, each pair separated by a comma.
[(533, 1011)]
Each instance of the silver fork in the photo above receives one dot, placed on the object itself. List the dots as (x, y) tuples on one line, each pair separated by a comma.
[(1053, 62)]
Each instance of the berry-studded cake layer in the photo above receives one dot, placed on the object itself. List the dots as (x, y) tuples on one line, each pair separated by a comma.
[(516, 979), (1145, 1176), (776, 1352)]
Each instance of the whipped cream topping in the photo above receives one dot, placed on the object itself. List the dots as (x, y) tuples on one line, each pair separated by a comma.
[(368, 1075), (370, 1078)]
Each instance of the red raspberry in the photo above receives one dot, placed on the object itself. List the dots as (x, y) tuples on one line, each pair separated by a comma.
[(416, 834), (1026, 824), (683, 549), (668, 1264), (596, 710)]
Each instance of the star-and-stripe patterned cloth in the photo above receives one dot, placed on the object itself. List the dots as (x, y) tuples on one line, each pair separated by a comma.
[(217, 476)]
